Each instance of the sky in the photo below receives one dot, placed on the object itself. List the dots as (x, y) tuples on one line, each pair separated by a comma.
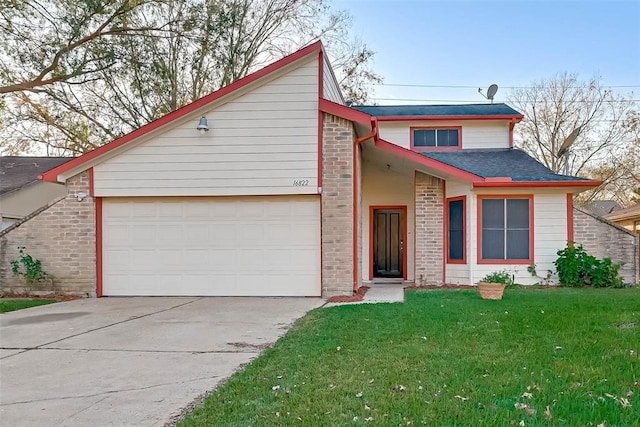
[(509, 43)]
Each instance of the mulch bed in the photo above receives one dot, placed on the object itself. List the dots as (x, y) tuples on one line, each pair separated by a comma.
[(57, 297), (350, 298)]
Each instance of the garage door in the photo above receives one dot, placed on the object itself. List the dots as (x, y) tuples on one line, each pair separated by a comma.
[(223, 246)]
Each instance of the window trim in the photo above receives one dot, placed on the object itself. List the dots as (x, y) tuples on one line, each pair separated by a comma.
[(531, 258), (464, 229), (412, 130)]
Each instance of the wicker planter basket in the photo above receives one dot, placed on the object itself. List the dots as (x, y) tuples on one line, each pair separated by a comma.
[(491, 290)]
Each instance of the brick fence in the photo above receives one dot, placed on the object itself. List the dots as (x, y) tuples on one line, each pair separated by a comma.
[(62, 237), (602, 238)]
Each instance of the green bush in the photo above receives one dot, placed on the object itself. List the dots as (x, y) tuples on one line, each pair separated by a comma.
[(577, 268), (28, 268)]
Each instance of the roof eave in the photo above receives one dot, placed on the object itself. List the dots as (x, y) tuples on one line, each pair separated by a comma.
[(344, 112), (581, 184), (515, 117)]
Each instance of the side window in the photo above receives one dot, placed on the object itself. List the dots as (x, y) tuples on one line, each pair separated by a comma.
[(456, 235)]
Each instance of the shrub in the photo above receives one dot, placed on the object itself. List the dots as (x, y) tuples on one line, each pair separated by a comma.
[(577, 268), (31, 269)]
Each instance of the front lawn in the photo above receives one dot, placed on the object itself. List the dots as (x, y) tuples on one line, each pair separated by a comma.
[(538, 357), (19, 304)]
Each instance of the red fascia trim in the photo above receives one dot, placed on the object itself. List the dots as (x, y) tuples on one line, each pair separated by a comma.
[(414, 128), (344, 112), (464, 229), (91, 192), (52, 175), (535, 184), (356, 213), (320, 148), (531, 258), (426, 161), (98, 206), (570, 235), (444, 231), (436, 118), (403, 208), (320, 127)]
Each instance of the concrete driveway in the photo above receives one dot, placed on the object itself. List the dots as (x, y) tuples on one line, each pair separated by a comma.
[(129, 361)]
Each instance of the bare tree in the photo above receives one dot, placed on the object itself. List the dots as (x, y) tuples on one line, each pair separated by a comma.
[(604, 147)]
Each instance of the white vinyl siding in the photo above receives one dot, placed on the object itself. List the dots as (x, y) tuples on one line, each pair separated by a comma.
[(330, 85), (381, 187), (459, 273), (259, 143), (212, 246), (475, 134)]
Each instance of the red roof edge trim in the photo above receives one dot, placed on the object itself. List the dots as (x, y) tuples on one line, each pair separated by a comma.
[(344, 112), (426, 161), (536, 184), (52, 175), (516, 117)]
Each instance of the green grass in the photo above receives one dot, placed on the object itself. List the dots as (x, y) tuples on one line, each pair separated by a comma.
[(447, 358), (19, 304)]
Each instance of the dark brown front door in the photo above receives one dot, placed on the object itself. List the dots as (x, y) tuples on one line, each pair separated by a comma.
[(388, 243)]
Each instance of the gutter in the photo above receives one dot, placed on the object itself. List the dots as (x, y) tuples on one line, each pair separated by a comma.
[(356, 213)]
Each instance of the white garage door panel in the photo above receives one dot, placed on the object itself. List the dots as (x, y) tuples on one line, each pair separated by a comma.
[(260, 246)]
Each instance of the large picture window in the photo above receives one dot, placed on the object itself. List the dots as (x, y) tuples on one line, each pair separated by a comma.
[(435, 138), (456, 237), (506, 233)]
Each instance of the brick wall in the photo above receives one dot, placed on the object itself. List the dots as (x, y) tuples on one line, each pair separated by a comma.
[(429, 217), (602, 238), (337, 207), (62, 236)]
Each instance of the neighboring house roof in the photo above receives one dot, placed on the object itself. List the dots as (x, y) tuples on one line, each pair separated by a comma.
[(501, 162), (604, 207), (627, 213), (467, 111), (19, 171)]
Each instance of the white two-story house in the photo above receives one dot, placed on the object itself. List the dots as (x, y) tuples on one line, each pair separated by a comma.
[(273, 186)]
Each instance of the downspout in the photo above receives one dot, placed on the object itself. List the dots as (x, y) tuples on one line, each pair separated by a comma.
[(356, 213)]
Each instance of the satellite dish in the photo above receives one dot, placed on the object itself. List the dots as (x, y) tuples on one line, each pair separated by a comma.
[(491, 92), (564, 148)]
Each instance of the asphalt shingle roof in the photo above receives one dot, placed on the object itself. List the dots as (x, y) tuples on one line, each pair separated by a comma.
[(438, 110), (18, 171), (501, 162)]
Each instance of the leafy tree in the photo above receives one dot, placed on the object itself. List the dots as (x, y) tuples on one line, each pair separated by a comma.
[(606, 147), (51, 41), (187, 48)]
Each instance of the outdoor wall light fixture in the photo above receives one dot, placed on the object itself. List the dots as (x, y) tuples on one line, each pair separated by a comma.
[(203, 125), (80, 196)]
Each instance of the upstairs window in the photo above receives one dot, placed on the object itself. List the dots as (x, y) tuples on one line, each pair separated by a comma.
[(445, 138)]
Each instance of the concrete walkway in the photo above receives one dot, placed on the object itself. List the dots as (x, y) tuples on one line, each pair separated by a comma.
[(378, 294), (129, 361)]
